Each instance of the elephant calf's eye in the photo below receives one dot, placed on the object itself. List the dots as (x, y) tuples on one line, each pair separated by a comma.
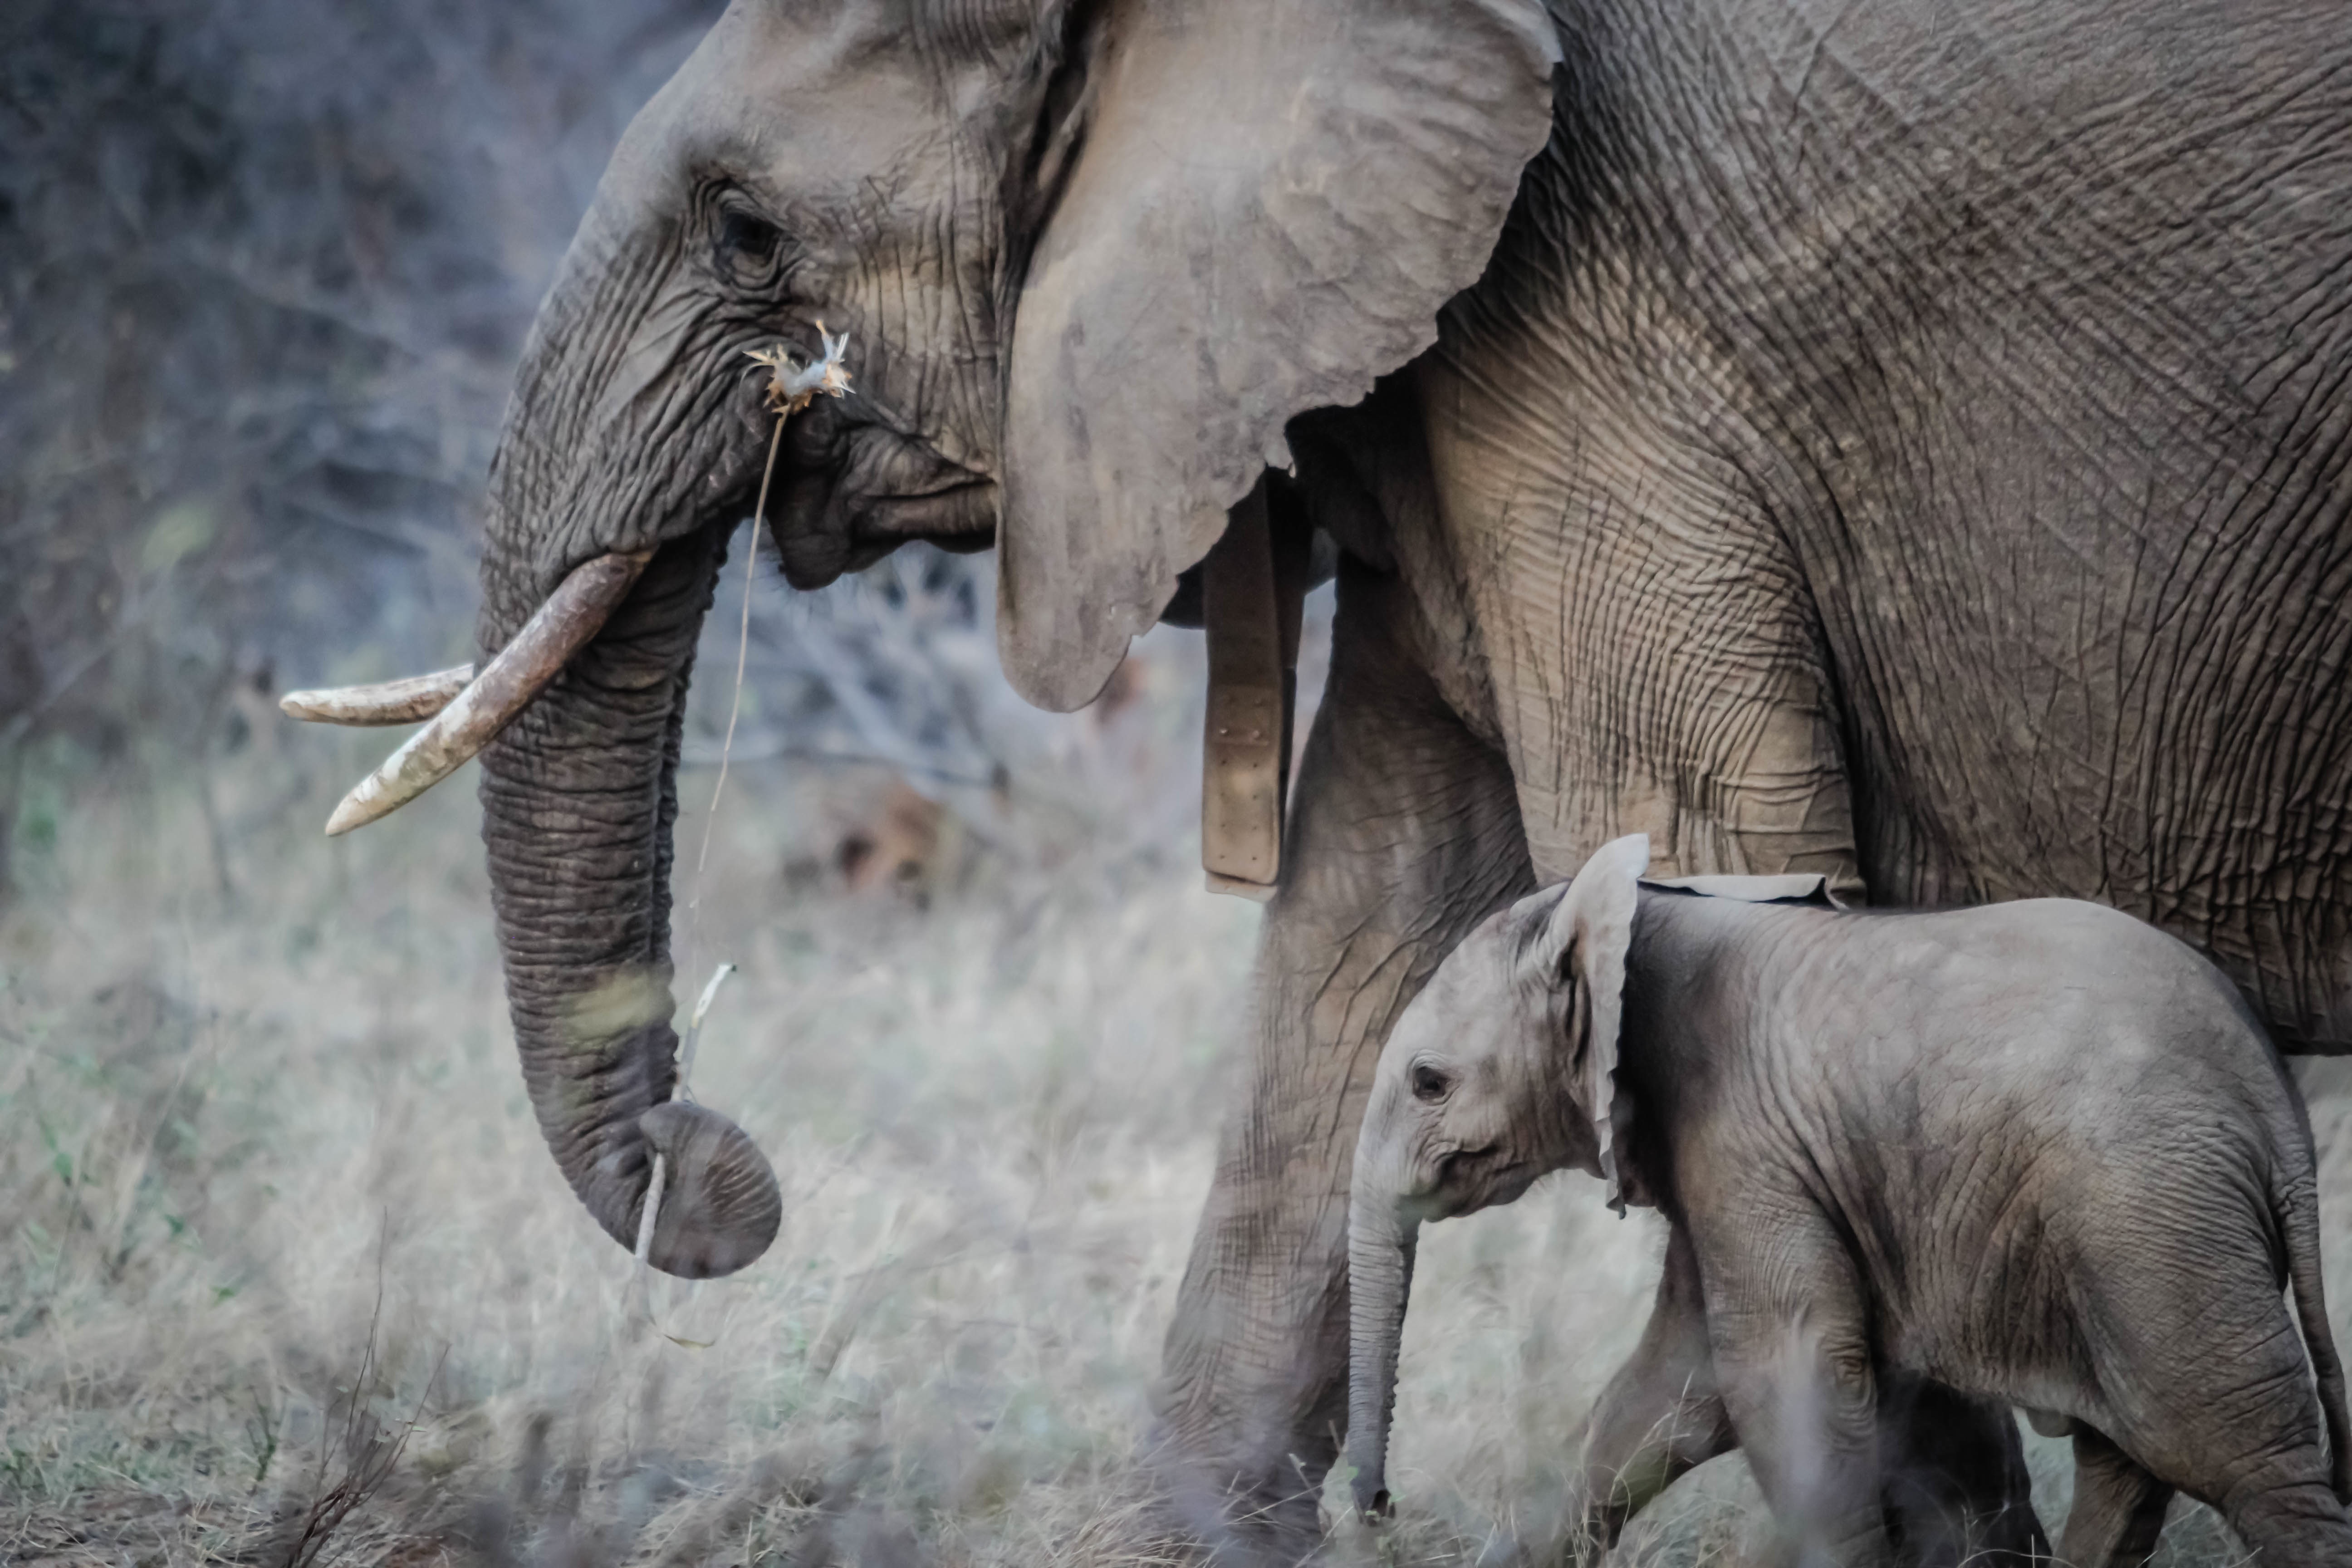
[(1429, 1083)]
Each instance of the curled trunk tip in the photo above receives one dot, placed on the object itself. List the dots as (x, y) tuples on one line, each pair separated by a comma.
[(722, 1206)]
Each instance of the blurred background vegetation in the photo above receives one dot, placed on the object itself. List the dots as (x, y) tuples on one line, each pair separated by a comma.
[(264, 267)]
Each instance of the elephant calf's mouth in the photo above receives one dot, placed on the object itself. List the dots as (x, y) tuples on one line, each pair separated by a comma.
[(1472, 1179)]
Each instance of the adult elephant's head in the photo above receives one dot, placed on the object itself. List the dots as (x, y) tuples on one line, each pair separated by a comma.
[(1090, 258)]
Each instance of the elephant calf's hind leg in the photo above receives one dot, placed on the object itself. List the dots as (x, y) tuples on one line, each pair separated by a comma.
[(1957, 1493)]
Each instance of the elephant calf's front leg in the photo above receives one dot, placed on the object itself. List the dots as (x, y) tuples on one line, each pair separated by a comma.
[(1660, 1415), (1791, 1332), (1404, 833)]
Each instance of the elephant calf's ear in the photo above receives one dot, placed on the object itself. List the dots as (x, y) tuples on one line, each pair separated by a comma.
[(1583, 944)]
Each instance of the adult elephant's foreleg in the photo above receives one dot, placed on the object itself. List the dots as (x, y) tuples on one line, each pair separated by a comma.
[(1404, 832)]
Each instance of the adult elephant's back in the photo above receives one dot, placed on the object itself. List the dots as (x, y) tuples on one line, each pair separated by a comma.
[(1922, 449), (2115, 515)]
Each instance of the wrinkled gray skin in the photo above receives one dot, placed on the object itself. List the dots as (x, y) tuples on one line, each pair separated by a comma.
[(1904, 440), (2040, 1154)]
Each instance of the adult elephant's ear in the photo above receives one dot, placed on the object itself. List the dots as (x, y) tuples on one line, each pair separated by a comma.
[(1583, 945), (1270, 200)]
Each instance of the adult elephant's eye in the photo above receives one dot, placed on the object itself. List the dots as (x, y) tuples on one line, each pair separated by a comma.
[(1429, 1083), (747, 245)]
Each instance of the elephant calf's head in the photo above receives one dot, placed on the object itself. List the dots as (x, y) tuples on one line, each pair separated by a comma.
[(1501, 1070)]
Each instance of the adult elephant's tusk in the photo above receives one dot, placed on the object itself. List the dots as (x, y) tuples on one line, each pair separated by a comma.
[(409, 701), (556, 630)]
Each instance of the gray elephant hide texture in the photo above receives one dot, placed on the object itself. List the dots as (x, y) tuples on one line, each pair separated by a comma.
[(2035, 1154)]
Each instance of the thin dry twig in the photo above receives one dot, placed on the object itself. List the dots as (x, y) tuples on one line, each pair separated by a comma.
[(369, 1456), (791, 388)]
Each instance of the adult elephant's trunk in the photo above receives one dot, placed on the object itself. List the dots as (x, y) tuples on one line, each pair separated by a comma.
[(580, 799), (600, 563), (1380, 1275)]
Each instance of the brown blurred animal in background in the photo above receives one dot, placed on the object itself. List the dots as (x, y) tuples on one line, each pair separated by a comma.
[(905, 844)]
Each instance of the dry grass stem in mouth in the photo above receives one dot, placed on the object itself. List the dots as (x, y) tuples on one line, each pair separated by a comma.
[(694, 1027), (791, 388), (640, 1312)]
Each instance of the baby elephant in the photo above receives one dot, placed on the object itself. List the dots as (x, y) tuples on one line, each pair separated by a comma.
[(2037, 1154)]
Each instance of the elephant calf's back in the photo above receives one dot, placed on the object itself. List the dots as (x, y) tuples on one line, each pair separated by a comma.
[(2043, 1109)]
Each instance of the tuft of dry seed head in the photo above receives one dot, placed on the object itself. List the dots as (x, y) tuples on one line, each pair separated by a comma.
[(792, 387)]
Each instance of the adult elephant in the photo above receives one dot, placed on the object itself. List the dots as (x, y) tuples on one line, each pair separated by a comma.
[(1906, 441)]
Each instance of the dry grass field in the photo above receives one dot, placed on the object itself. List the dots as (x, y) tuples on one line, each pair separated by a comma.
[(287, 1277)]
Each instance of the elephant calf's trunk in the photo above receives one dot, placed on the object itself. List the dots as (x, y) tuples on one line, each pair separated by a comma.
[(1379, 1277)]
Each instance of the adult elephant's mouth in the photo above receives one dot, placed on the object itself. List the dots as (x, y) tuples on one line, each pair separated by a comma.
[(855, 488)]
